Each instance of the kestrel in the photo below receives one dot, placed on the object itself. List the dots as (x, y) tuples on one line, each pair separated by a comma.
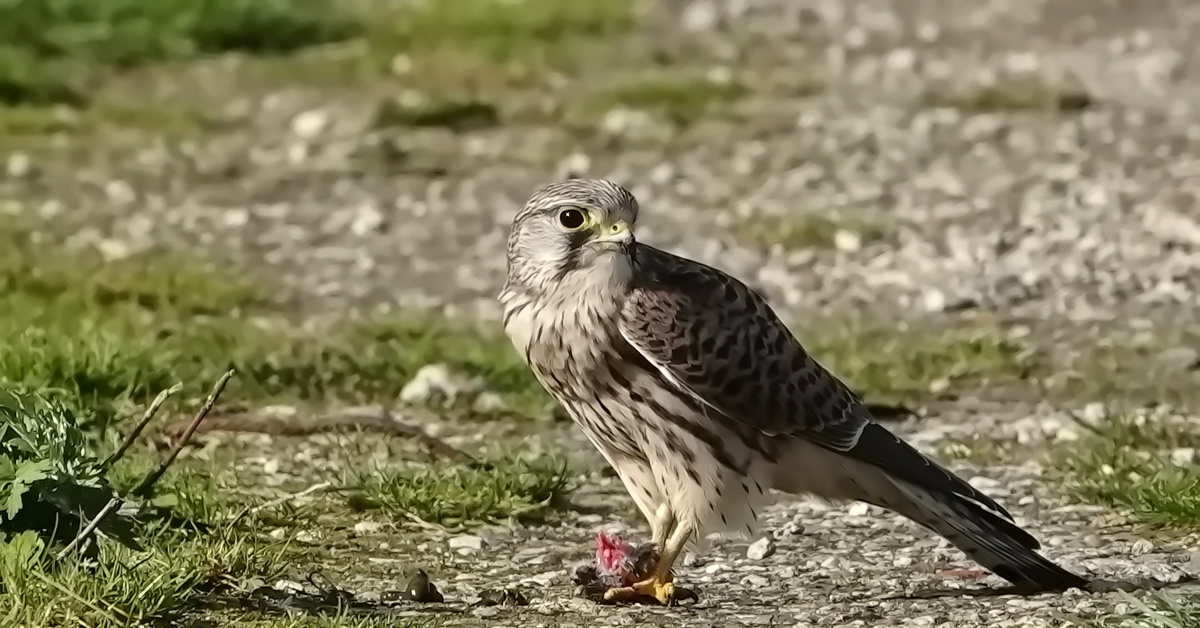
[(702, 400)]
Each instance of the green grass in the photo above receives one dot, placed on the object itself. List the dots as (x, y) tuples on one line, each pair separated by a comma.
[(1126, 463), (454, 495), (808, 231), (682, 99), (906, 365), (68, 66), (492, 41), (124, 586), (179, 543), (1162, 610), (339, 620), (109, 336), (53, 51)]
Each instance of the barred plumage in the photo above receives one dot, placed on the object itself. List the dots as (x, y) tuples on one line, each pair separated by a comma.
[(702, 400)]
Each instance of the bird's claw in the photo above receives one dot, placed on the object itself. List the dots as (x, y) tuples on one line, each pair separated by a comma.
[(651, 588)]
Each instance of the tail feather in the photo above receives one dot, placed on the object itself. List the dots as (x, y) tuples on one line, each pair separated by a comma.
[(987, 538)]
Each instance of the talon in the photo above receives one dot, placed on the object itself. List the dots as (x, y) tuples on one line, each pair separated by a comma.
[(654, 588)]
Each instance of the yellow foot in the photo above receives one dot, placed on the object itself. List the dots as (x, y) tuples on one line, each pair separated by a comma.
[(651, 588)]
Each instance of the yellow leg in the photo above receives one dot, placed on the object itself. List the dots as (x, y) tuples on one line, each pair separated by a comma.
[(660, 585)]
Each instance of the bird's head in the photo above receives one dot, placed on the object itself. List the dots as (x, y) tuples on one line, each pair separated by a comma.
[(573, 231)]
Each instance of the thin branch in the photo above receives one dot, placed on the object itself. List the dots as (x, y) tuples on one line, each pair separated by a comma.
[(281, 500), (147, 484), (137, 430), (87, 530)]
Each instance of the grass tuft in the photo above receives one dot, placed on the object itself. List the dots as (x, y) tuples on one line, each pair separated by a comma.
[(122, 586), (1127, 463), (1162, 610), (455, 495)]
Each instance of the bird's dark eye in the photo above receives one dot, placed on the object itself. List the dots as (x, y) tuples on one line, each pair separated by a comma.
[(571, 219)]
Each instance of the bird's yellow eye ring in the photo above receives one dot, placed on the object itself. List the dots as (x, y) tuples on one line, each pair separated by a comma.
[(572, 219)]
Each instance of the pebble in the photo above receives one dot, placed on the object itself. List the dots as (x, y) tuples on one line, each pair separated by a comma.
[(437, 383), (367, 527), (466, 541), (1183, 456), (760, 549)]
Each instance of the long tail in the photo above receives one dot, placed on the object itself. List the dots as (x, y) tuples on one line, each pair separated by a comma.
[(885, 471), (988, 537)]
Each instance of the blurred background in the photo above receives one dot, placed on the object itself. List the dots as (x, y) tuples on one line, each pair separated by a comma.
[(983, 216)]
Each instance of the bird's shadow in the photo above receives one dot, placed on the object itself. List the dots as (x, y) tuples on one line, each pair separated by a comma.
[(1094, 586)]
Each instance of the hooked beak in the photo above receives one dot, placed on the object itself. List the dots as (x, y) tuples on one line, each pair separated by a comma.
[(614, 237)]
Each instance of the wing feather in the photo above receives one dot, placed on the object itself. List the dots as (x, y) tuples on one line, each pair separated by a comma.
[(714, 338)]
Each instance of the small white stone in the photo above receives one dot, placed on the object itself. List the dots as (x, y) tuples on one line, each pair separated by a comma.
[(488, 401), (858, 509), (1141, 546), (715, 567), (433, 382), (19, 165), (761, 549), (289, 585), (1183, 456), (367, 219), (310, 124), (367, 527), (120, 192), (847, 241), (466, 541), (574, 165), (755, 581), (933, 301), (699, 16)]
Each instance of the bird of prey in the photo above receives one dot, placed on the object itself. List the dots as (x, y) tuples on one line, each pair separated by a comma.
[(702, 400)]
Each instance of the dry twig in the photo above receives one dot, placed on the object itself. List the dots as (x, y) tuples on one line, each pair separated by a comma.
[(137, 430), (147, 484), (87, 530)]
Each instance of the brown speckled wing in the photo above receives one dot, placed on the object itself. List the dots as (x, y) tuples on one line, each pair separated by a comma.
[(714, 337)]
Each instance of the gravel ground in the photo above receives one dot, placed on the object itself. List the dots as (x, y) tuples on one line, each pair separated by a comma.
[(1069, 217)]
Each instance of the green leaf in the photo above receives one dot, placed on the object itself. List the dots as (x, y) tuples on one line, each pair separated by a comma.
[(31, 471), (20, 550), (26, 474)]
